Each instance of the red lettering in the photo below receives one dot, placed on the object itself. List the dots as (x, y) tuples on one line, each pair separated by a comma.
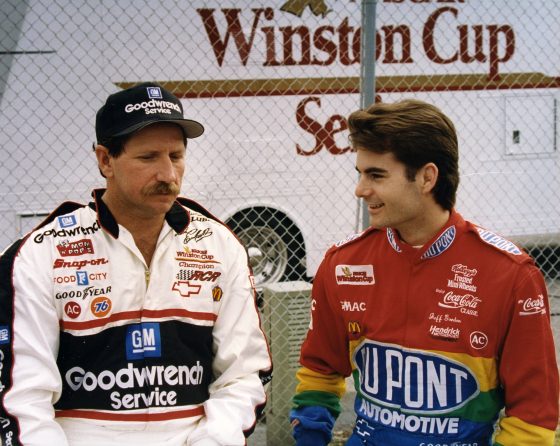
[(310, 126), (208, 276), (335, 124), (509, 35), (349, 53), (322, 43), (495, 35), (270, 47), (324, 135), (390, 32), (288, 34), (234, 29), (479, 55), (428, 37)]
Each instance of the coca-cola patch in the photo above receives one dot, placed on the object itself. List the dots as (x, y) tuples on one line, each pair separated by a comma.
[(465, 303), (531, 306)]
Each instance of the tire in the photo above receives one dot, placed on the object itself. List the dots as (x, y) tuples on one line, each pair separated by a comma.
[(274, 244)]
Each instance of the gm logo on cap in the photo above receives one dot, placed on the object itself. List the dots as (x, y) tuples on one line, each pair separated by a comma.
[(154, 93)]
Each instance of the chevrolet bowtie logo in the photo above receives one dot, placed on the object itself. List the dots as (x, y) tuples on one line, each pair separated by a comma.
[(185, 289)]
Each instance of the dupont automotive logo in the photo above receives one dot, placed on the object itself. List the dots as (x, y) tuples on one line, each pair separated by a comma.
[(348, 239), (499, 242), (394, 376), (143, 341), (354, 275), (443, 242), (392, 240)]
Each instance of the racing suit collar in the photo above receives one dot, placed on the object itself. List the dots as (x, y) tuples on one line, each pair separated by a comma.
[(177, 217), (434, 247)]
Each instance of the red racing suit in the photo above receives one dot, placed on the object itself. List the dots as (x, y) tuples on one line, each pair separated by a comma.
[(97, 348), (438, 340)]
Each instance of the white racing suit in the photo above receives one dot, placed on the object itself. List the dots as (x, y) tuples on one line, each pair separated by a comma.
[(97, 348)]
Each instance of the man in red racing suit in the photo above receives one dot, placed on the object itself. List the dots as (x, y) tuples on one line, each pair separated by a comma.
[(439, 334)]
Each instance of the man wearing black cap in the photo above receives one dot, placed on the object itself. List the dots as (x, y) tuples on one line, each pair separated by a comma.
[(131, 320)]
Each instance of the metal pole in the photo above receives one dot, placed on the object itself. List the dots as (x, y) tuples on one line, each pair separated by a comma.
[(367, 56), (367, 72)]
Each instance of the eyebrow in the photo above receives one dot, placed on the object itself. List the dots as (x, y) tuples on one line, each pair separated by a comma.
[(369, 170)]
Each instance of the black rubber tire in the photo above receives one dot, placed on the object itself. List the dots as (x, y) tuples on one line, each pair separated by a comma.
[(274, 243)]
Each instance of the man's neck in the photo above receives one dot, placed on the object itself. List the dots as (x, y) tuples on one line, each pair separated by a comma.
[(425, 229), (145, 230)]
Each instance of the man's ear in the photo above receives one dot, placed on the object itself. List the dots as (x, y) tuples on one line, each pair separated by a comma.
[(104, 160), (427, 177)]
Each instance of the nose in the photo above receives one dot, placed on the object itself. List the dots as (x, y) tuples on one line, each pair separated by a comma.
[(167, 172), (362, 189)]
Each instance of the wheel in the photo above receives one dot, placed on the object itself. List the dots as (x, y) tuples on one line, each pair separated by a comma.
[(274, 244)]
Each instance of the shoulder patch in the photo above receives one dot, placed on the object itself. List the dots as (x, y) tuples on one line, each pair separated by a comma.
[(498, 241), (352, 238), (348, 239), (192, 205), (65, 208), (393, 240)]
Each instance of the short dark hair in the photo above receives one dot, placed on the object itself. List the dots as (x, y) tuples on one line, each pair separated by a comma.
[(115, 145), (416, 133)]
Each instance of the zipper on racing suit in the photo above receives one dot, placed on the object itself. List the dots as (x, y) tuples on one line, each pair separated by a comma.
[(147, 277)]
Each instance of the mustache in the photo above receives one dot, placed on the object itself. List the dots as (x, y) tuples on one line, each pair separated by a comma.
[(162, 188)]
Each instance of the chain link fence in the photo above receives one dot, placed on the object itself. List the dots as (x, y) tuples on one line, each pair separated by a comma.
[(273, 82)]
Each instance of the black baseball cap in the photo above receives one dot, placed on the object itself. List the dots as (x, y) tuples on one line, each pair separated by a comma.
[(130, 110)]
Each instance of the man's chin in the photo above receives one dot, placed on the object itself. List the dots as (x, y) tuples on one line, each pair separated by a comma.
[(376, 223), (160, 202), (164, 197)]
